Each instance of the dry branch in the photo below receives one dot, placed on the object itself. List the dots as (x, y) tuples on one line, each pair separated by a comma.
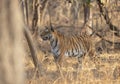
[(31, 47), (104, 12), (43, 4), (87, 11), (100, 36), (28, 35), (26, 8), (35, 17)]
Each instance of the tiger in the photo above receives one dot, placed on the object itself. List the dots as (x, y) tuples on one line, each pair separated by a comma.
[(67, 46)]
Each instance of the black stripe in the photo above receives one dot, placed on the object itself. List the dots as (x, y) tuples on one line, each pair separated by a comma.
[(72, 52), (77, 52), (57, 50), (76, 45), (56, 42), (52, 41)]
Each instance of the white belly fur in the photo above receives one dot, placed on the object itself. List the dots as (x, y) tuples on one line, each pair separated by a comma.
[(73, 53)]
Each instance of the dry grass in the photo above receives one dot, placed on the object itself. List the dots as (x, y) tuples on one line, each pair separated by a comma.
[(108, 72)]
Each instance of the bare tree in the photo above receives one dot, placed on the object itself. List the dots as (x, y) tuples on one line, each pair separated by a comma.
[(11, 50), (31, 37)]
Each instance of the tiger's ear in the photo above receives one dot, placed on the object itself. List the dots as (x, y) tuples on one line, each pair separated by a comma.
[(51, 28)]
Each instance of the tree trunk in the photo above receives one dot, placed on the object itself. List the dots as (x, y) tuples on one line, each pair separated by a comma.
[(11, 50)]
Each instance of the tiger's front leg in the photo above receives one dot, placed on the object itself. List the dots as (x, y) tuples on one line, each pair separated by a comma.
[(80, 62), (80, 59), (58, 60)]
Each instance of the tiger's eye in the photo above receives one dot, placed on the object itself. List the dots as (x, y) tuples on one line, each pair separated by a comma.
[(46, 30)]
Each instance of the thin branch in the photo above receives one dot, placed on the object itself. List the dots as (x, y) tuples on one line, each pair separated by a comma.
[(28, 37), (35, 17), (43, 5), (26, 8), (104, 12), (32, 49), (38, 65), (100, 36), (86, 6)]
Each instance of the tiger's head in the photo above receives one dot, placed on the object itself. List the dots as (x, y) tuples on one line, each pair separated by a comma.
[(46, 34)]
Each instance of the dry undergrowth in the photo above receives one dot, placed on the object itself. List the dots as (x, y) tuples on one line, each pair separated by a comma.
[(108, 71)]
